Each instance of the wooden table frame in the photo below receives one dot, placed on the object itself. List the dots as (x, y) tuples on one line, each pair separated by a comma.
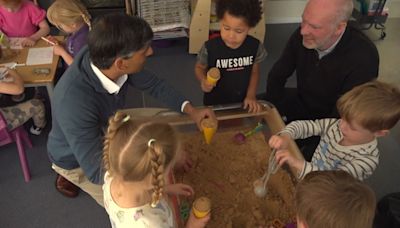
[(223, 112)]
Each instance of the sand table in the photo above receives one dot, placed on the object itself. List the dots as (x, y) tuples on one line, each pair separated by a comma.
[(224, 172)]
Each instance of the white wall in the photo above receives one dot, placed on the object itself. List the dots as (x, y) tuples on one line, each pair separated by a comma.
[(283, 11), (289, 11), (394, 8)]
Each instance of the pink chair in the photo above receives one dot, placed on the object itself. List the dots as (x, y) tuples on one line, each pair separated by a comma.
[(19, 136)]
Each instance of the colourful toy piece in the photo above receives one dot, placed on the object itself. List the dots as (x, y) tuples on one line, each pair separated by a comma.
[(184, 210), (4, 40), (291, 225), (240, 138)]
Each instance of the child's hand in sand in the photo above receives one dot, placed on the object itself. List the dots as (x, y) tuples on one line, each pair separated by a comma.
[(279, 141), (179, 189)]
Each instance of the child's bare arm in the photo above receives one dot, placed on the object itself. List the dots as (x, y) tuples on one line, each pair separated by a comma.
[(44, 29), (251, 101), (200, 71), (60, 51), (179, 189), (284, 156)]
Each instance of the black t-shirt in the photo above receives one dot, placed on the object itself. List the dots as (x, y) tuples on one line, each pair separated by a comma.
[(235, 66)]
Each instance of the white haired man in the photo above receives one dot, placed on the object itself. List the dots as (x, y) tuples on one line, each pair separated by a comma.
[(329, 58)]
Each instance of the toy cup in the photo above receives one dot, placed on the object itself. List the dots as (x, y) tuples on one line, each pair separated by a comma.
[(213, 75), (209, 127), (201, 207)]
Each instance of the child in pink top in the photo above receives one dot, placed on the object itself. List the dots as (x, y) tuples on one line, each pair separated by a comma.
[(21, 18)]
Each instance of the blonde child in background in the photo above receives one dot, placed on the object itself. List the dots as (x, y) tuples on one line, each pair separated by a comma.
[(71, 17), (235, 53), (21, 18), (367, 111), (334, 199), (137, 159)]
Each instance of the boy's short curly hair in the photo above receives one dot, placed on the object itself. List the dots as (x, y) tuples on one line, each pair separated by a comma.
[(249, 10), (374, 105)]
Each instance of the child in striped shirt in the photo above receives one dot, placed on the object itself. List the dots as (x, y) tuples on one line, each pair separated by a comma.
[(367, 111)]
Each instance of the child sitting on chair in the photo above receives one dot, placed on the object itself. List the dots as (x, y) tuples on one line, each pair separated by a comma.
[(18, 114), (20, 18), (138, 158), (235, 53), (71, 17), (332, 199), (367, 111)]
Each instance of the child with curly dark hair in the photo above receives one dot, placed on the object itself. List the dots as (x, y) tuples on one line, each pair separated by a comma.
[(235, 53)]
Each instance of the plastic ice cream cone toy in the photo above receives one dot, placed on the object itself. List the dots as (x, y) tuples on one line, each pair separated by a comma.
[(213, 75), (201, 207), (209, 127)]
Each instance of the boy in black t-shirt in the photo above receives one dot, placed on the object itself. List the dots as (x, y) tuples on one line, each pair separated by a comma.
[(235, 53)]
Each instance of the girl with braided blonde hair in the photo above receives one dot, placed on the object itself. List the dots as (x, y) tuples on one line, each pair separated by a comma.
[(137, 157), (71, 17)]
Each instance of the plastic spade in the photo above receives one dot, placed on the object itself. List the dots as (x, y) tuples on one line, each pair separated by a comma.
[(240, 138)]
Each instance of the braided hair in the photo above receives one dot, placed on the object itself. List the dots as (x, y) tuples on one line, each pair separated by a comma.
[(157, 171), (135, 150), (68, 12)]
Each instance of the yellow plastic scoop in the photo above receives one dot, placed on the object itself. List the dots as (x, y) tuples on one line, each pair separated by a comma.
[(209, 127), (201, 207), (213, 75)]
